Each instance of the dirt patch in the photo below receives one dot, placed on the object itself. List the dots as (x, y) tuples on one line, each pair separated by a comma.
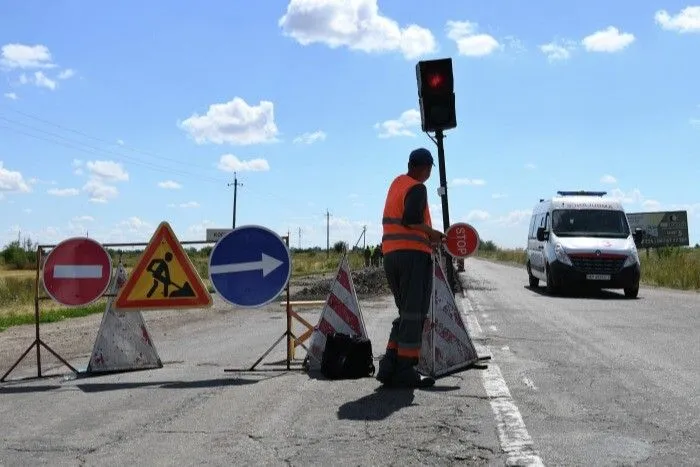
[(369, 282)]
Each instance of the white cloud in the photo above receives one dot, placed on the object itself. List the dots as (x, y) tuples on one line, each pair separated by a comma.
[(169, 185), (12, 181), (499, 195), (310, 138), (200, 228), (609, 179), (27, 210), (688, 20), (608, 40), (64, 192), (630, 197), (83, 219), (469, 42), (355, 24), (651, 205), (11, 96), (99, 191), (190, 204), (233, 122), (25, 56), (514, 218), (400, 127), (230, 163), (515, 44), (530, 166), (468, 181), (120, 142), (136, 225), (102, 172), (41, 80), (108, 170), (66, 74), (558, 50), (695, 122), (478, 215)]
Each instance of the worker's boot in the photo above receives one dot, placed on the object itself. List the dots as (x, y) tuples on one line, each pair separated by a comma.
[(407, 376), (387, 365)]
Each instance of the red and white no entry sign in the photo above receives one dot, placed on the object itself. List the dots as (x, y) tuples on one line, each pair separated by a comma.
[(77, 271), (462, 240)]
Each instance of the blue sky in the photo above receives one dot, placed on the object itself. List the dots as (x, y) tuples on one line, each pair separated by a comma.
[(114, 118)]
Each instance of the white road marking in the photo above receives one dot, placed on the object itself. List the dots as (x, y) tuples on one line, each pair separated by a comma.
[(493, 328), (484, 315), (77, 271), (512, 433)]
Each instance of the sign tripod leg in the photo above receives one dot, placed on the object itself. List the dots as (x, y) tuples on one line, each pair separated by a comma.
[(291, 338), (37, 336)]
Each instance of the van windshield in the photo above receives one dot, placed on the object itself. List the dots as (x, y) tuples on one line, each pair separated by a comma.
[(590, 223)]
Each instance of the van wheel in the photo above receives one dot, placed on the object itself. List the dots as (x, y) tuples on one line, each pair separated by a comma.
[(631, 292), (534, 282), (551, 289)]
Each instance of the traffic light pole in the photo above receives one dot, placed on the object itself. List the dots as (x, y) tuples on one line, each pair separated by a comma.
[(439, 137)]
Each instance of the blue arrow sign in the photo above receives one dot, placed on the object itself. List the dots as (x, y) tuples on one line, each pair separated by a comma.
[(250, 266)]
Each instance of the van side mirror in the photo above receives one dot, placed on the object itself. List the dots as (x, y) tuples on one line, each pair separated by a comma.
[(638, 235), (541, 234)]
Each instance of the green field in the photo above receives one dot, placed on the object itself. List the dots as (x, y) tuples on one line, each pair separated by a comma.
[(670, 267), (17, 285)]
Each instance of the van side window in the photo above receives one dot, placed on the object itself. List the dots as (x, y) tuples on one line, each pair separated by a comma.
[(532, 226), (546, 223)]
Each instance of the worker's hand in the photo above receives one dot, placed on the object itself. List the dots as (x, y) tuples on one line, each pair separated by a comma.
[(437, 237)]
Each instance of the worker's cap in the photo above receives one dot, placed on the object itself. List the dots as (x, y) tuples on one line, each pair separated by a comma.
[(420, 157)]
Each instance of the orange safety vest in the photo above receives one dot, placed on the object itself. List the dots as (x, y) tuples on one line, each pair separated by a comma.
[(396, 236)]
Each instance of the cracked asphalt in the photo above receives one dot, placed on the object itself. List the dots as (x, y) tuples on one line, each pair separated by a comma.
[(597, 380)]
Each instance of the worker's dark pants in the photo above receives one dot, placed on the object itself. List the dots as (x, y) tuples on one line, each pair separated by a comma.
[(410, 275)]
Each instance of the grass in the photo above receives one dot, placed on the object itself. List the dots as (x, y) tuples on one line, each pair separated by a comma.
[(17, 286), (676, 268)]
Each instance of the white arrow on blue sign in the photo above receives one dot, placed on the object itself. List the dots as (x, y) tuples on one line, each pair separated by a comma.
[(250, 266)]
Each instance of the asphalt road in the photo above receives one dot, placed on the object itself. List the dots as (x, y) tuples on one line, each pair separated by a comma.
[(589, 380), (192, 412), (598, 379)]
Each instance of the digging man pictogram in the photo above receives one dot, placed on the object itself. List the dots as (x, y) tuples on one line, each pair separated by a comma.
[(161, 275)]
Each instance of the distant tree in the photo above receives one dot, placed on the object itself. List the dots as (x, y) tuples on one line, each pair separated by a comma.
[(340, 246)]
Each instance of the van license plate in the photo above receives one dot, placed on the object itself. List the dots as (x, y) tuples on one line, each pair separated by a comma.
[(598, 277)]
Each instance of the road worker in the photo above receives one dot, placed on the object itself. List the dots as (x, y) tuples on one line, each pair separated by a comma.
[(407, 244)]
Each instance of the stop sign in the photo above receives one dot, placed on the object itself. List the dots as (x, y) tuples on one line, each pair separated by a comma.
[(462, 240), (77, 271)]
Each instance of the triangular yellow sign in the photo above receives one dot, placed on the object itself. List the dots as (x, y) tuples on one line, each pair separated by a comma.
[(164, 278)]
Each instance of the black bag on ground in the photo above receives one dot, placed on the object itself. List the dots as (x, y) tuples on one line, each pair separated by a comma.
[(347, 357)]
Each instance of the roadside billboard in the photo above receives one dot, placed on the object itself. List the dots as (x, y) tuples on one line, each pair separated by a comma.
[(663, 228)]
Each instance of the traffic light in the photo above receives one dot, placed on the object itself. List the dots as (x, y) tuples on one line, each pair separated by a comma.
[(436, 94)]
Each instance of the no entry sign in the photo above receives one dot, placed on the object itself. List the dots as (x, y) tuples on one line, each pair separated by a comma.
[(462, 240), (77, 271)]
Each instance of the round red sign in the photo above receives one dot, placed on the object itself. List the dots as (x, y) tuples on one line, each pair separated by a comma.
[(77, 271), (462, 240)]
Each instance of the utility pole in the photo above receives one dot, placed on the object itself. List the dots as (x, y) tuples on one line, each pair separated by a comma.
[(364, 237), (328, 234), (300, 238), (235, 184), (439, 137)]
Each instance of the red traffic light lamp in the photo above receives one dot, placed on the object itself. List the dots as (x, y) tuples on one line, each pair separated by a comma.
[(436, 94)]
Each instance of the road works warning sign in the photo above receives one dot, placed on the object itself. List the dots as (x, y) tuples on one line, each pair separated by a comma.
[(665, 228), (164, 278)]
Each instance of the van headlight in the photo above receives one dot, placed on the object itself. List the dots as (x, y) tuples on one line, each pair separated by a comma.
[(632, 258), (561, 254)]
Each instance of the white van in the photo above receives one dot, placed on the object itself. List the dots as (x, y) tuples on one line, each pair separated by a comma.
[(583, 238)]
